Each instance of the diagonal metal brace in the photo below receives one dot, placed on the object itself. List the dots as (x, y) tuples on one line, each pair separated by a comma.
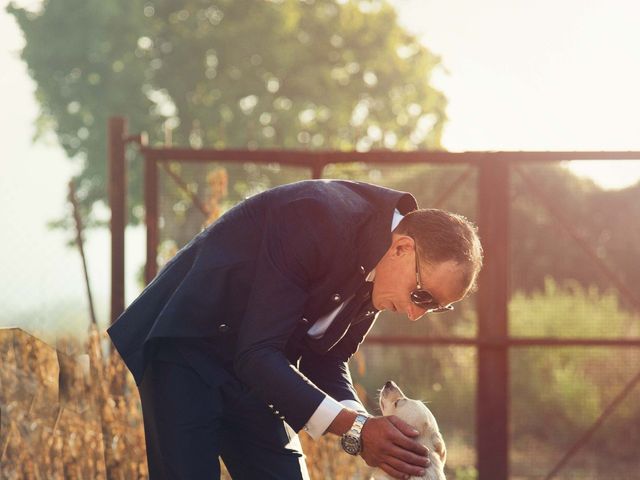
[(579, 239), (600, 420)]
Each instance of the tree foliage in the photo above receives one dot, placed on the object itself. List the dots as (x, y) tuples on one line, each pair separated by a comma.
[(294, 74), (331, 74)]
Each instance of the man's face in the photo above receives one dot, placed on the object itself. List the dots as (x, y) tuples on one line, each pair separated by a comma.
[(395, 279)]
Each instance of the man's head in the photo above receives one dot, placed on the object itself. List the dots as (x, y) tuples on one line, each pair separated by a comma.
[(445, 266)]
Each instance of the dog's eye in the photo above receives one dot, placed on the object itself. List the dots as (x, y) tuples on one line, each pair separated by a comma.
[(397, 402)]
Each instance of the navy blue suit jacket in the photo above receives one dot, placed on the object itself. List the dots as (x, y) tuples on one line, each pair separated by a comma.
[(249, 286)]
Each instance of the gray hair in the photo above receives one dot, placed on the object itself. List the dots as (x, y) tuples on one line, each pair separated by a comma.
[(442, 236)]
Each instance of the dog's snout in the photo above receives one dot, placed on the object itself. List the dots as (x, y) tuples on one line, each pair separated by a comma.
[(390, 390)]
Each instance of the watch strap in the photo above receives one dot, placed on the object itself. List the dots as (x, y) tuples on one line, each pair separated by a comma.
[(351, 441), (358, 423)]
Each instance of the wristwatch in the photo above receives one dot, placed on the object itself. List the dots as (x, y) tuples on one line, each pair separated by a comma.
[(351, 442)]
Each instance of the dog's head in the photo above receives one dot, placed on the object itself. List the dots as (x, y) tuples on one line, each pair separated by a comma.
[(394, 402)]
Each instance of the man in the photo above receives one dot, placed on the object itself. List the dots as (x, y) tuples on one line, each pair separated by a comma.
[(243, 338)]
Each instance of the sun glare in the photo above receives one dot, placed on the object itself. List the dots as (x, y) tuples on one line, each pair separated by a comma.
[(537, 76), (610, 174)]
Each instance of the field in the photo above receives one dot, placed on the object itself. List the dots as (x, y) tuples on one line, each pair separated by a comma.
[(80, 418), (69, 414)]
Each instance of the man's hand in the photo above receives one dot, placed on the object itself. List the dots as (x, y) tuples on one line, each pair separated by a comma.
[(387, 443)]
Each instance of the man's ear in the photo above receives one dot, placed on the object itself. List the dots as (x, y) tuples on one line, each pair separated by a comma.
[(402, 244)]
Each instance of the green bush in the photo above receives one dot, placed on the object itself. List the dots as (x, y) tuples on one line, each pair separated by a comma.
[(558, 393)]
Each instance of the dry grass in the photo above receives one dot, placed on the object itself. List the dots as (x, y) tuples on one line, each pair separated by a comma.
[(66, 417), (82, 426)]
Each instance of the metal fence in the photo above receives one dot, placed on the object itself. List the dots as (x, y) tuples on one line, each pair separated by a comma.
[(535, 375)]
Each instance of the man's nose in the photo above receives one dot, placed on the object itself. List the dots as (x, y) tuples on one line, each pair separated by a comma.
[(414, 312)]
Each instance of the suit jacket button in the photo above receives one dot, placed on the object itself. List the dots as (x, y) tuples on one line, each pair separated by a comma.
[(223, 328), (362, 270), (336, 297)]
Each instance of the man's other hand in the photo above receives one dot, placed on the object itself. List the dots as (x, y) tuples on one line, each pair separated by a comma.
[(388, 443)]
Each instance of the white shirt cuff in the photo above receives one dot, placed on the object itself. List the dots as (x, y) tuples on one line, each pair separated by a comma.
[(326, 412)]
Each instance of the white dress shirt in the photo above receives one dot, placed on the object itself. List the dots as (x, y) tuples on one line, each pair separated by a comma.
[(329, 409)]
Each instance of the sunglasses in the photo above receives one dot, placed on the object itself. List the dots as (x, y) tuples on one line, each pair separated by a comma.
[(422, 297)]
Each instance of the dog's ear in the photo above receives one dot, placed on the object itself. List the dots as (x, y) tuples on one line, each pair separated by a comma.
[(439, 447)]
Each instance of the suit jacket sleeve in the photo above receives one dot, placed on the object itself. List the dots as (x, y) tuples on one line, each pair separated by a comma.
[(330, 371), (292, 254)]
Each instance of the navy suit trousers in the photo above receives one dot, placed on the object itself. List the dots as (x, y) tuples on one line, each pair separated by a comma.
[(189, 424)]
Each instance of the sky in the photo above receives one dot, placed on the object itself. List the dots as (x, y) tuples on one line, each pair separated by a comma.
[(518, 75), (543, 75)]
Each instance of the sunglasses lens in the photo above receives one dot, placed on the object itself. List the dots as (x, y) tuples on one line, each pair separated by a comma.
[(421, 298)]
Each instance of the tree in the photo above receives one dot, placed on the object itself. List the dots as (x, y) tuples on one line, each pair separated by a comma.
[(331, 74)]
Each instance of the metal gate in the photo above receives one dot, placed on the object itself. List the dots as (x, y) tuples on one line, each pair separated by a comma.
[(494, 173)]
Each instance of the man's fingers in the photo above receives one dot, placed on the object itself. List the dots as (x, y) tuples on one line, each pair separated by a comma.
[(410, 458), (404, 468), (409, 444), (403, 426), (392, 472), (385, 443)]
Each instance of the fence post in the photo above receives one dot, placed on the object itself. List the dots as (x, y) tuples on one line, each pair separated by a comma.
[(117, 203), (492, 406), (316, 170), (151, 215)]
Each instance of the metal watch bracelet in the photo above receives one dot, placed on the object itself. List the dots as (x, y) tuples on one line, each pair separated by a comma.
[(351, 441)]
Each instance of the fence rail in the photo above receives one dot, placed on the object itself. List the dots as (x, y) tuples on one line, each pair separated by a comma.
[(493, 342)]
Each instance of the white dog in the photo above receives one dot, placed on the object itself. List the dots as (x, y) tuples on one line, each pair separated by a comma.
[(416, 414)]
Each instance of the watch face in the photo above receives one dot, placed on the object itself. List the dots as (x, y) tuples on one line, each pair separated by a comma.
[(351, 444)]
